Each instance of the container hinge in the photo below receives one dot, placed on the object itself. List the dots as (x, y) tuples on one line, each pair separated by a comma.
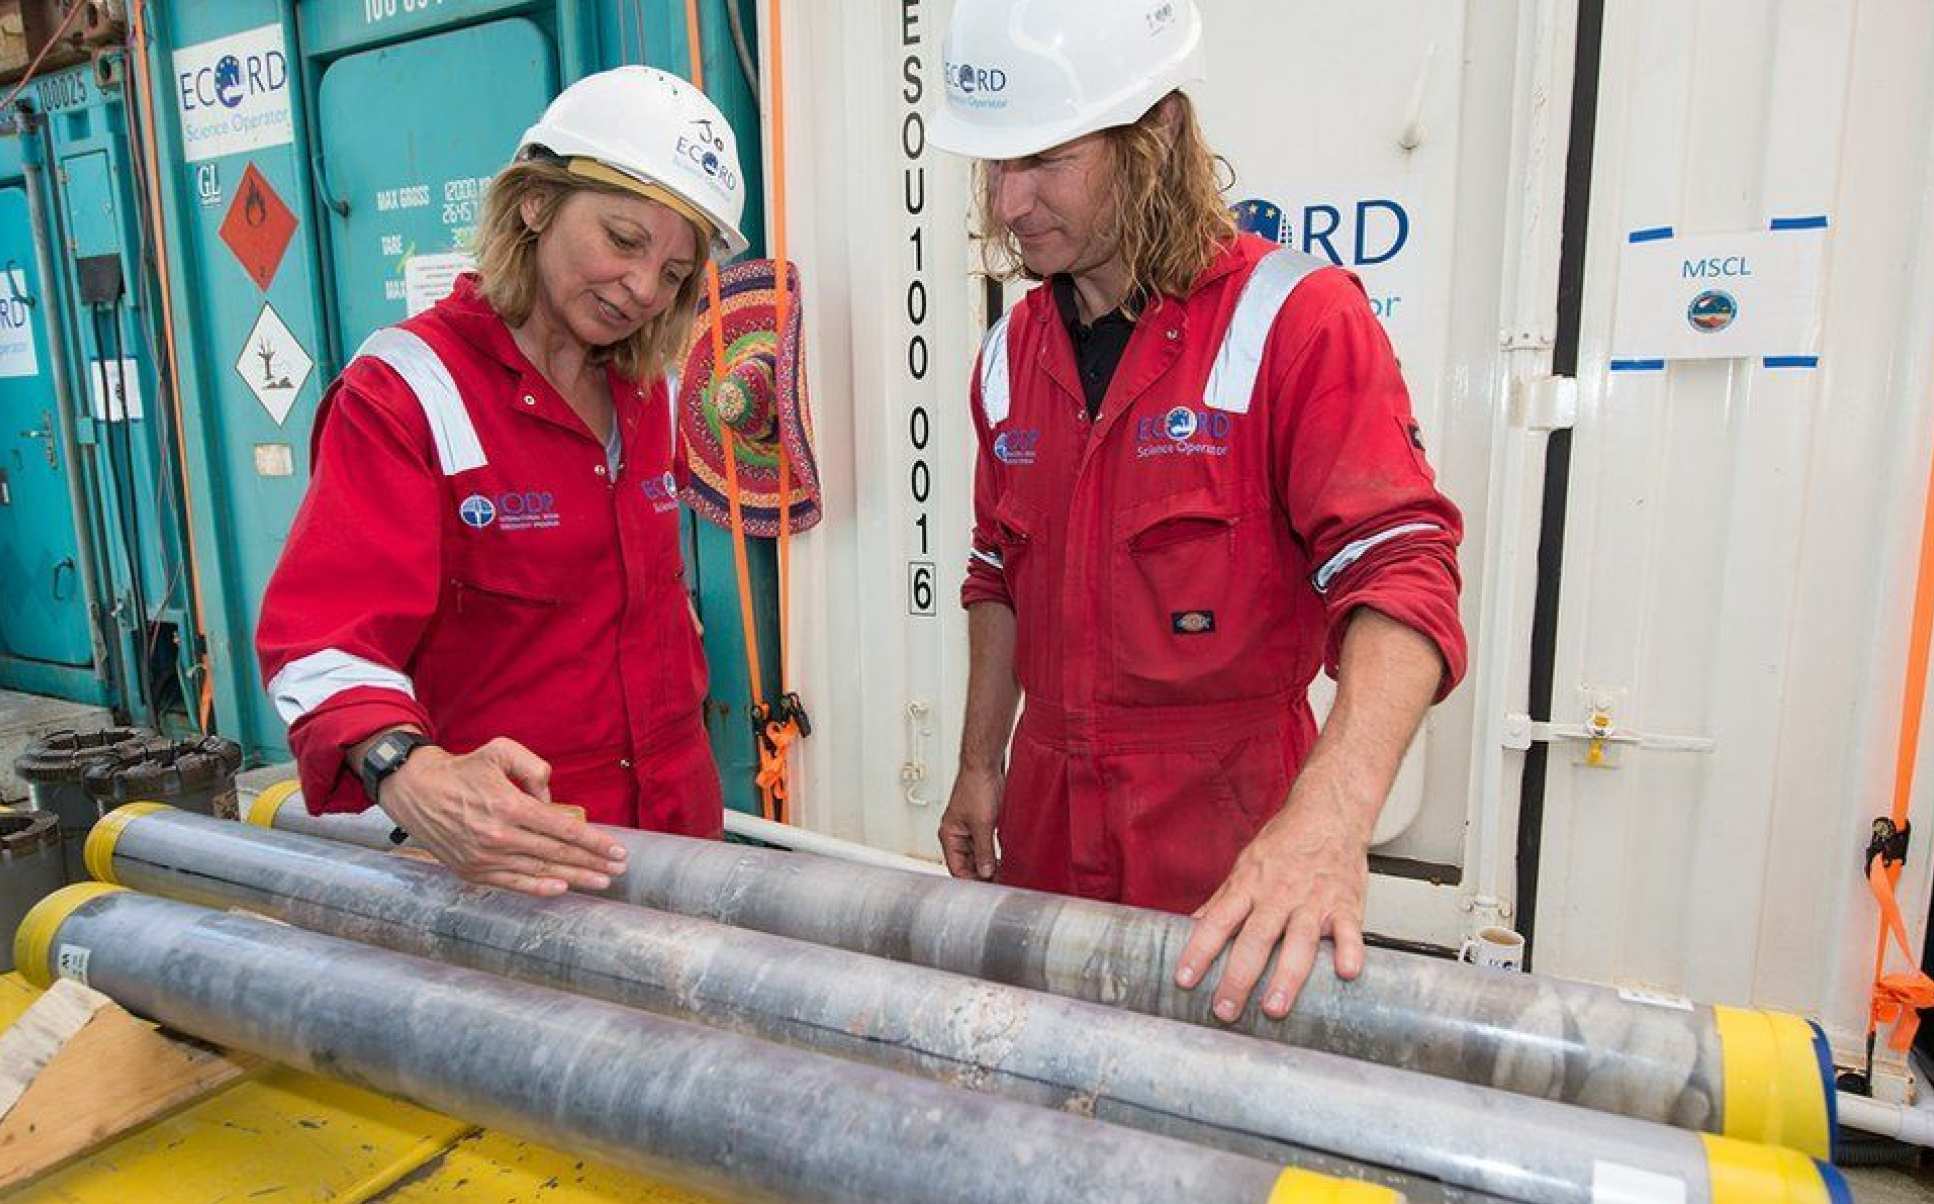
[(1545, 403)]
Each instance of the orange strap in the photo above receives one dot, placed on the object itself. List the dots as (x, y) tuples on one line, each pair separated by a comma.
[(1896, 996), (773, 740), (782, 306), (693, 50)]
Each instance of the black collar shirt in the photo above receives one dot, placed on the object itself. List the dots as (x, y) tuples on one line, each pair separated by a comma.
[(1098, 347)]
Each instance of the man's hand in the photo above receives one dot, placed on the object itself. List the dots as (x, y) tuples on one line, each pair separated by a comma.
[(1301, 879), (967, 826), (1304, 875), (488, 816)]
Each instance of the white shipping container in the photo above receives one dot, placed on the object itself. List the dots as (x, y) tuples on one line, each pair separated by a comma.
[(1739, 541)]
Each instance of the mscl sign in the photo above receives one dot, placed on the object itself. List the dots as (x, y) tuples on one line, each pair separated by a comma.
[(1720, 296), (233, 94)]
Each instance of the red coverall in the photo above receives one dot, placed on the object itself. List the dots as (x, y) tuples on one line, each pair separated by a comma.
[(465, 562), (1180, 566)]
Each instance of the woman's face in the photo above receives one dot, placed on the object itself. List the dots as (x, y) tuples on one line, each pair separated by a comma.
[(608, 263)]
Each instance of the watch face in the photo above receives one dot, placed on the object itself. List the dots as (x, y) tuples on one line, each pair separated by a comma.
[(390, 750)]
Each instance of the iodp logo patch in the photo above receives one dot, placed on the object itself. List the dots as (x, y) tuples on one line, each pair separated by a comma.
[(1017, 449), (662, 493), (1184, 431), (511, 510), (477, 511)]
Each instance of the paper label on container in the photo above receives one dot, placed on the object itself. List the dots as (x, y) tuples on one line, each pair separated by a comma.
[(114, 388), (427, 279), (1720, 296), (71, 962)]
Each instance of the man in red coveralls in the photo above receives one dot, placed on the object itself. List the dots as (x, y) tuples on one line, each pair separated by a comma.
[(1198, 481)]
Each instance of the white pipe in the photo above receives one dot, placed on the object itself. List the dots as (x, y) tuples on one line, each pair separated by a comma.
[(371, 828), (1915, 1126), (800, 840)]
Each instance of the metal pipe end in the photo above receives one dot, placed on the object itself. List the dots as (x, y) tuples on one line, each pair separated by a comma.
[(1778, 1085), (98, 853), (33, 941), (262, 808), (1297, 1186), (1742, 1172)]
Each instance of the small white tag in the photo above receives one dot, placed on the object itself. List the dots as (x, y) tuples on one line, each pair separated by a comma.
[(71, 962), (1655, 999), (1614, 1183)]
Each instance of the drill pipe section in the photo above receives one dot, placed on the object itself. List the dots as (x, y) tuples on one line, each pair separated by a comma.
[(1758, 1076), (1218, 1088), (712, 1111)]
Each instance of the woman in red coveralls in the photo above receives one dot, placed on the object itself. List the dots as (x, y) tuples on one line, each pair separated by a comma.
[(481, 607)]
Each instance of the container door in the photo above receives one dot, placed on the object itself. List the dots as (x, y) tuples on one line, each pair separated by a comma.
[(411, 134), (43, 614), (1742, 535)]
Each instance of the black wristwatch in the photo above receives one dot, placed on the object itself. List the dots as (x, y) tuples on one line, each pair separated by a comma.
[(385, 757)]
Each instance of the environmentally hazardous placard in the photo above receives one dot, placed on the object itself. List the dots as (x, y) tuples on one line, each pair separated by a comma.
[(258, 227), (273, 364)]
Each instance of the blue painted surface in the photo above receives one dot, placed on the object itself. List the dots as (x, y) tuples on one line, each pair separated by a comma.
[(384, 99), (416, 188), (124, 466), (43, 615)]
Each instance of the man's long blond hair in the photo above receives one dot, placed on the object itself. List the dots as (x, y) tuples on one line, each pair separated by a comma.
[(507, 264), (1171, 218)]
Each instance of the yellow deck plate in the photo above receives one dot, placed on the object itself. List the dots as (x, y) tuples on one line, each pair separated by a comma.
[(495, 1167), (282, 1136)]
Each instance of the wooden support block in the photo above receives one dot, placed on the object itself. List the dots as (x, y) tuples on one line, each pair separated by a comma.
[(77, 1070)]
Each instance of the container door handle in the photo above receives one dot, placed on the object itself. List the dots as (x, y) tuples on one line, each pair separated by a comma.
[(324, 190)]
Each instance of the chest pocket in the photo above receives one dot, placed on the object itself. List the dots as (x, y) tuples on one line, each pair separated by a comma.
[(1199, 598)]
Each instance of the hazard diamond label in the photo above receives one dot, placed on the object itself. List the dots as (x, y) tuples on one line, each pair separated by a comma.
[(273, 364), (258, 227)]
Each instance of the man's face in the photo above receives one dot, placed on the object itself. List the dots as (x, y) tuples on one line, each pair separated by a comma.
[(1056, 204)]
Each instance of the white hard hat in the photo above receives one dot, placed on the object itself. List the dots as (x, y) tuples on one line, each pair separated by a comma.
[(1025, 75), (654, 133)]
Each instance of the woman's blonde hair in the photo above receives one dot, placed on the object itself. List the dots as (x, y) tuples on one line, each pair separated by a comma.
[(507, 263), (1167, 200)]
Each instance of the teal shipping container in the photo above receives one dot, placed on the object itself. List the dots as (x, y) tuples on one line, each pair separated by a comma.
[(170, 314)]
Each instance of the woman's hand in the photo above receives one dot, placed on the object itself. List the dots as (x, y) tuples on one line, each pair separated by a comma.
[(488, 816)]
